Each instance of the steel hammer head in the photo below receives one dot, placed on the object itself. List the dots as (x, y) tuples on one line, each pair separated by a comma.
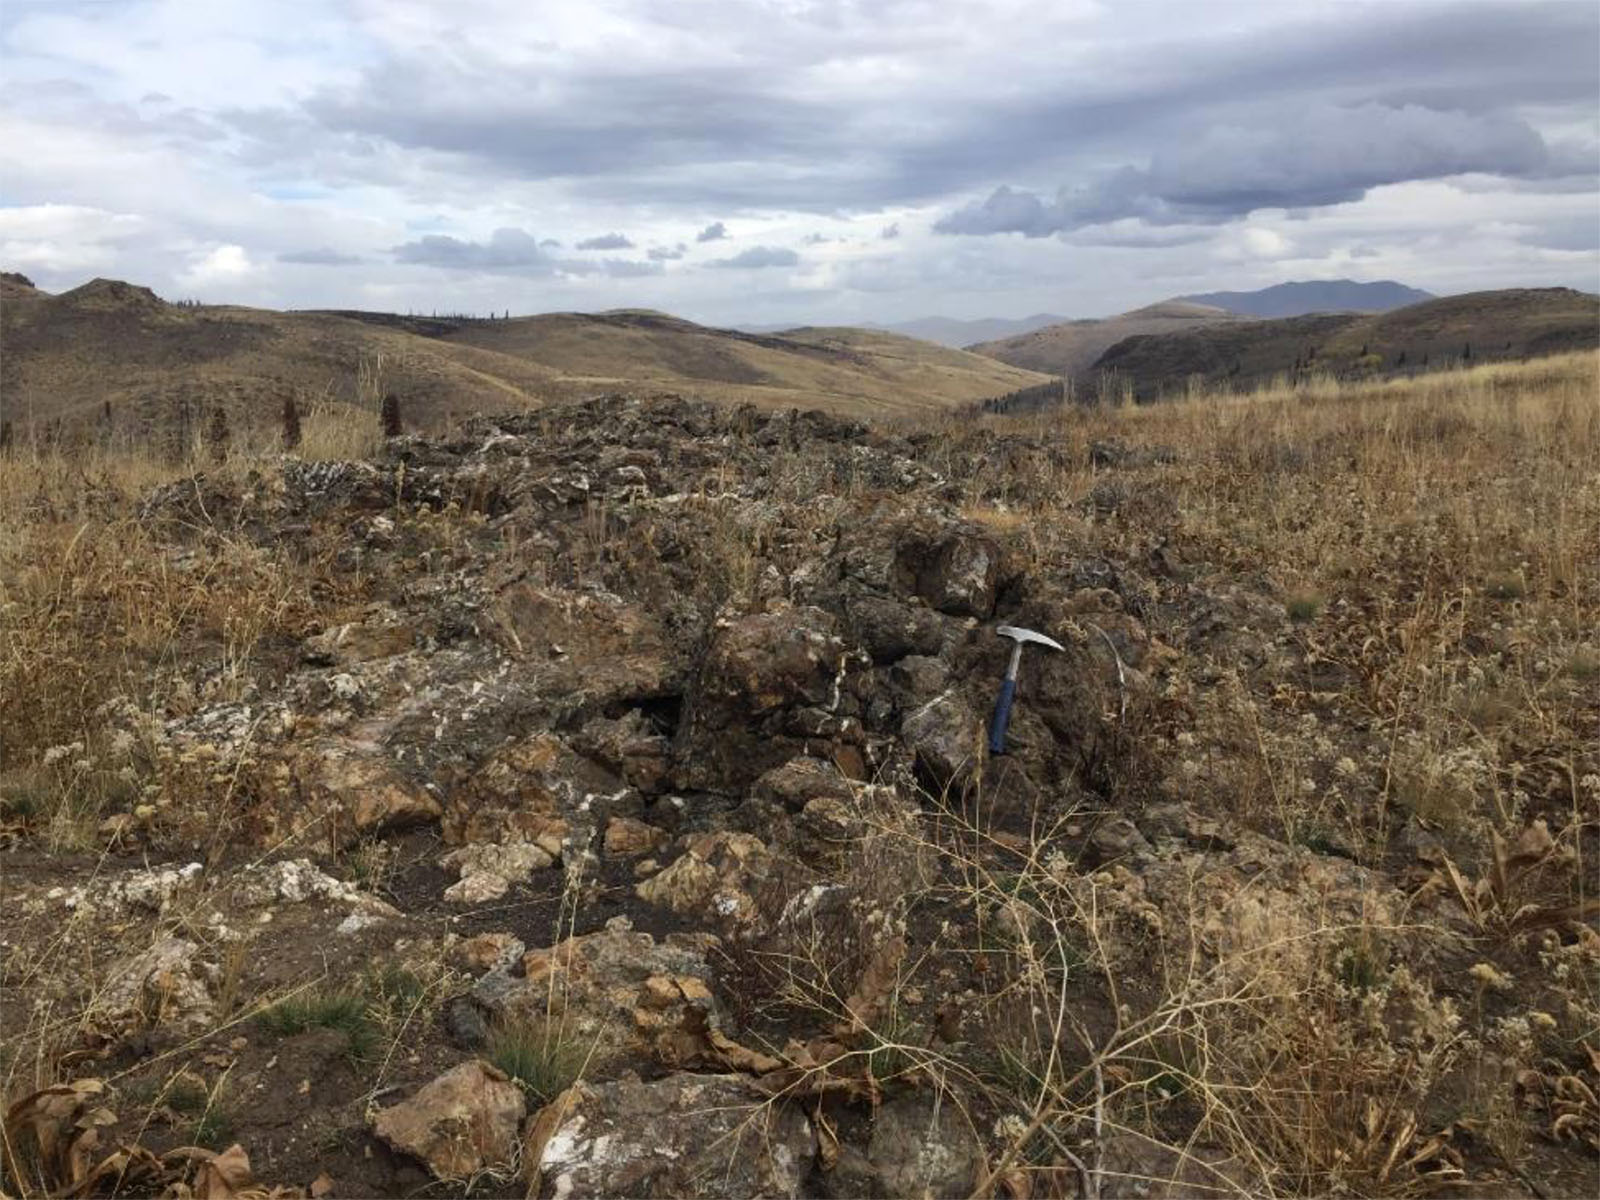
[(1021, 636)]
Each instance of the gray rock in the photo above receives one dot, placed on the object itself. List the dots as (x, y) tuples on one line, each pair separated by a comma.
[(708, 1137), (922, 1145)]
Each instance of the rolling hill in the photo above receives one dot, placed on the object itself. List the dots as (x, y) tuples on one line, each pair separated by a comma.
[(1511, 324), (1314, 296), (68, 355), (1072, 347)]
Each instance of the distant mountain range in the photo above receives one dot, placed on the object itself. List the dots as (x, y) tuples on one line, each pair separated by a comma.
[(1280, 300), (1072, 347), (1314, 296), (947, 331)]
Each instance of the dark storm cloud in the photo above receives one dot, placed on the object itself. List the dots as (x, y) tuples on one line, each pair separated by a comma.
[(606, 241), (1311, 159), (696, 133), (321, 257), (713, 232), (511, 252), (759, 257)]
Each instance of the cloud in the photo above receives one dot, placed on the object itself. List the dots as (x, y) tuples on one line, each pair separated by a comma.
[(323, 256), (220, 266), (507, 249), (511, 251), (606, 241), (713, 232), (889, 232), (1327, 156), (759, 257), (666, 253)]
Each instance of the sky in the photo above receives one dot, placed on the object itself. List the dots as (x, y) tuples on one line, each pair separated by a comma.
[(772, 161)]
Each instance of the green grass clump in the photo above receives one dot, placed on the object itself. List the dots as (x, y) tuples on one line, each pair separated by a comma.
[(537, 1057), (1303, 607), (346, 1012)]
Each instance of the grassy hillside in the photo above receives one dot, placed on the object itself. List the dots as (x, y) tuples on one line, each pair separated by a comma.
[(157, 364), (1072, 347), (107, 342), (852, 371), (1510, 324)]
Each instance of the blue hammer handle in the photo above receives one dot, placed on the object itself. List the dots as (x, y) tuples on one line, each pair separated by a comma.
[(1002, 706), (1002, 715)]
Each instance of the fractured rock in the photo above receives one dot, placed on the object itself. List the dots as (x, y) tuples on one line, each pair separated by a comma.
[(626, 836), (463, 1121), (694, 1137), (618, 994), (716, 874), (488, 870)]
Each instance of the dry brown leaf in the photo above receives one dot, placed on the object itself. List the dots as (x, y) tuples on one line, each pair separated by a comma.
[(876, 985), (738, 1057), (321, 1186)]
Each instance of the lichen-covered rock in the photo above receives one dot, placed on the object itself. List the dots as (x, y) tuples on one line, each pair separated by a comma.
[(684, 1137), (620, 994), (923, 1145), (463, 1121), (167, 984)]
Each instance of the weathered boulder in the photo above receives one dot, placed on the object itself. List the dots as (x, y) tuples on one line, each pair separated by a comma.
[(923, 1145), (488, 870), (770, 684), (164, 985), (955, 568), (694, 1137), (717, 875), (463, 1121), (339, 790), (618, 994)]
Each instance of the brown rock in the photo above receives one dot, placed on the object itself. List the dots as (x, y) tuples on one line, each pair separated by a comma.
[(354, 790), (620, 994), (717, 872), (626, 836), (463, 1121), (486, 951)]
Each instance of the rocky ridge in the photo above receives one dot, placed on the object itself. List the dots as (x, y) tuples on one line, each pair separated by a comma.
[(650, 726)]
